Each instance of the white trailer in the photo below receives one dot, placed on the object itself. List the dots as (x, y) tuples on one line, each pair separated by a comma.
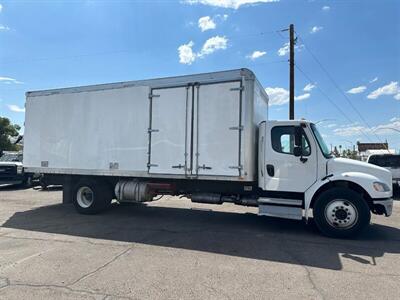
[(206, 136)]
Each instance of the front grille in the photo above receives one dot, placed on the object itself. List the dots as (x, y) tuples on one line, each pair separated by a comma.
[(8, 172)]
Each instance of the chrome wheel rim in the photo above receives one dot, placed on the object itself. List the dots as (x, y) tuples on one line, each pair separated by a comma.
[(341, 214), (85, 197)]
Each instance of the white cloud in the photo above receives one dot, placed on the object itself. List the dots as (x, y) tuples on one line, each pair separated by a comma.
[(357, 90), (1, 7), (373, 80), (302, 97), (206, 23), (4, 28), (309, 87), (186, 54), (326, 8), (277, 95), (389, 89), (331, 125), (15, 108), (357, 130), (315, 29), (285, 49), (349, 131), (256, 54), (387, 129), (280, 96), (213, 44), (9, 80), (235, 4), (223, 17)]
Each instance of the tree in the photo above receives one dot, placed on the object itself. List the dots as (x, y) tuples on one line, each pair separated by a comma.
[(7, 130), (336, 152)]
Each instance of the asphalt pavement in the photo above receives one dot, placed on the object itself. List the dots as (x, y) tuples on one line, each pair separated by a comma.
[(175, 249)]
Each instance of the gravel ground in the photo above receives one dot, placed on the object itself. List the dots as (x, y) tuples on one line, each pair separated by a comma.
[(173, 249)]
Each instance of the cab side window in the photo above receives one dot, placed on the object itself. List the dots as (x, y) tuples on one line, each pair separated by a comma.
[(282, 138)]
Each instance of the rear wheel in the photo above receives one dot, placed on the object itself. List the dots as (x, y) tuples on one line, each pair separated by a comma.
[(341, 213), (91, 197)]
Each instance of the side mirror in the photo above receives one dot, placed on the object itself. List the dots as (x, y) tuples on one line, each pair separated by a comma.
[(297, 151)]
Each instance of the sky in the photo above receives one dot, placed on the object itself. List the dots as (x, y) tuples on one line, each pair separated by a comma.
[(347, 76)]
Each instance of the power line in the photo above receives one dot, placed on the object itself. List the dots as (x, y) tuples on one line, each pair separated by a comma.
[(330, 100), (111, 52), (338, 88)]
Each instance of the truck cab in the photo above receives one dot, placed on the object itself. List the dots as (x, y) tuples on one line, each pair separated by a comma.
[(12, 170), (298, 176)]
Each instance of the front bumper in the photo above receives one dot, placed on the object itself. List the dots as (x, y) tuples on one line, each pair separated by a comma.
[(383, 205)]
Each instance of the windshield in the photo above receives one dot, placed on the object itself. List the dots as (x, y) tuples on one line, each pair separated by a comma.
[(11, 157), (324, 148)]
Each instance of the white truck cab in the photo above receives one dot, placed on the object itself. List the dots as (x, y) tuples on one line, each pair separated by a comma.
[(298, 174)]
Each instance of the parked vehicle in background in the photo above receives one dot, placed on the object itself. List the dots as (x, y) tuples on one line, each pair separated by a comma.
[(390, 162), (45, 180), (204, 136), (12, 170)]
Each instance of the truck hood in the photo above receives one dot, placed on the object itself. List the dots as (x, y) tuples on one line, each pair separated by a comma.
[(345, 165), (10, 163)]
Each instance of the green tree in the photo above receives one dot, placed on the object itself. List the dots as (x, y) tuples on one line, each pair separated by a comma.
[(7, 130)]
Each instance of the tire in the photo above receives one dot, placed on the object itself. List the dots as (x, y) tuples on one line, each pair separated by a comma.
[(28, 182), (341, 213), (91, 197), (43, 184)]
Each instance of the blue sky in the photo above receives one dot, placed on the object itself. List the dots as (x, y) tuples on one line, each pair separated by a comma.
[(49, 44)]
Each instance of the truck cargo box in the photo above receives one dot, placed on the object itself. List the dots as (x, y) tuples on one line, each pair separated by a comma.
[(197, 126)]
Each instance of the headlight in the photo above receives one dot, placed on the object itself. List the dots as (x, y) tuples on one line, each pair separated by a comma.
[(381, 187), (19, 169)]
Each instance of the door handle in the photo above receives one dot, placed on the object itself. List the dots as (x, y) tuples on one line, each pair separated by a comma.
[(270, 170), (303, 159)]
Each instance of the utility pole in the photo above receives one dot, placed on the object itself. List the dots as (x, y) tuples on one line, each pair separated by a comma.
[(291, 75)]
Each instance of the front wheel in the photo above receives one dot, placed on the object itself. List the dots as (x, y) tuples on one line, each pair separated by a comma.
[(341, 213), (28, 182)]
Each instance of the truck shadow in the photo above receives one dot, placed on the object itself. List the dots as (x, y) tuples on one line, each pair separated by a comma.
[(243, 235)]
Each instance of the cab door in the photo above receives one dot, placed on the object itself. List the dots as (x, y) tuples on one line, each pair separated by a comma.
[(285, 172)]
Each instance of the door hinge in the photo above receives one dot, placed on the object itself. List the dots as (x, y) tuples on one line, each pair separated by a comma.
[(236, 167), (153, 96), (204, 167), (236, 128), (237, 89), (178, 166), (151, 165), (152, 130)]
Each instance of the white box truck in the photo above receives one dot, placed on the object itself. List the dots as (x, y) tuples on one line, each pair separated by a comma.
[(205, 136)]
